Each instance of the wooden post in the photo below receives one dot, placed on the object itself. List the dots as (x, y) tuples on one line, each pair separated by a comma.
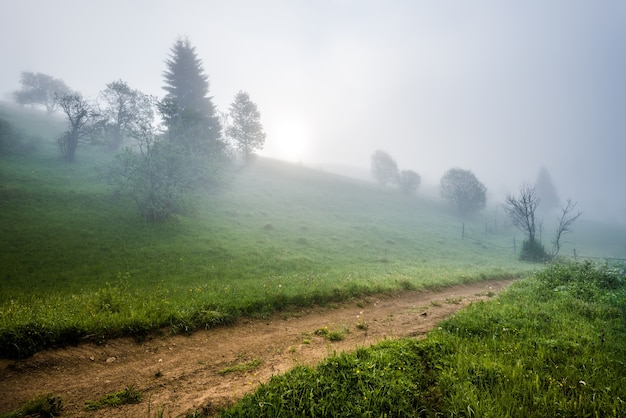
[(575, 256), (463, 231), (514, 246)]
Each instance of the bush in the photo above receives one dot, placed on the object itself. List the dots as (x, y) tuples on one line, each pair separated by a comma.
[(13, 141), (533, 251)]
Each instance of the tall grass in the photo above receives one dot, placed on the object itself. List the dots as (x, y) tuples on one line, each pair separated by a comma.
[(552, 345)]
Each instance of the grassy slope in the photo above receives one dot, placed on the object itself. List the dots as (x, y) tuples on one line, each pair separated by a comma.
[(75, 260)]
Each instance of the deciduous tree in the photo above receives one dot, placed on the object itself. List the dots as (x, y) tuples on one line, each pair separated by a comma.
[(245, 129), (463, 190), (384, 168), (83, 123), (41, 89), (409, 181)]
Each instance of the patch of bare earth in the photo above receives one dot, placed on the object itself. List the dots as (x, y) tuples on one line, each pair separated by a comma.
[(182, 373)]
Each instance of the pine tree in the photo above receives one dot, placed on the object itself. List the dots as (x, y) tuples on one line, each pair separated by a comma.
[(546, 192), (188, 112)]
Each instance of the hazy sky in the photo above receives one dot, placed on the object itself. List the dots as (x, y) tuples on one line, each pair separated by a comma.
[(500, 88)]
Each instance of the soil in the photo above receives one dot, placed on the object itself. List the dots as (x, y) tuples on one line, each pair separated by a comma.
[(180, 374)]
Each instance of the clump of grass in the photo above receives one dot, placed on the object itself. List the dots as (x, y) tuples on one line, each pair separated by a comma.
[(331, 335), (242, 367), (47, 405), (129, 395)]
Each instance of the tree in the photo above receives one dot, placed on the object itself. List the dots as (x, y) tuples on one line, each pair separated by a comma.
[(384, 168), (121, 107), (462, 189), (83, 122), (246, 129), (566, 220), (546, 191), (409, 181), (189, 114), (41, 89), (522, 210)]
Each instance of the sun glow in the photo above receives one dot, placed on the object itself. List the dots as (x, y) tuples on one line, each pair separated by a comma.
[(288, 140)]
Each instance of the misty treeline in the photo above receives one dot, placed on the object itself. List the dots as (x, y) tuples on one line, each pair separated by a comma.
[(462, 189), (165, 147)]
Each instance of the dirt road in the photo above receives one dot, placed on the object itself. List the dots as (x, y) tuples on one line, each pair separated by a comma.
[(179, 374)]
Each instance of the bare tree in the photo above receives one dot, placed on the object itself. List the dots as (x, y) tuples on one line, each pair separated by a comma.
[(522, 209), (566, 220)]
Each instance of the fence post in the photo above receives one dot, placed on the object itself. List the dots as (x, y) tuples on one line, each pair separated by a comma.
[(463, 231), (514, 246), (575, 256)]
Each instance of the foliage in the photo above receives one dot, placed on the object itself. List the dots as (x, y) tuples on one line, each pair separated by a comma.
[(41, 89), (246, 129), (83, 124), (552, 345), (384, 168), (409, 181), (42, 406), (463, 190)]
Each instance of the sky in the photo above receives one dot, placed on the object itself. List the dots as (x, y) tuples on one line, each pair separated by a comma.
[(499, 88)]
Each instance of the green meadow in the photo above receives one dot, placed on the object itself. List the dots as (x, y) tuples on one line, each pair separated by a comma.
[(78, 262)]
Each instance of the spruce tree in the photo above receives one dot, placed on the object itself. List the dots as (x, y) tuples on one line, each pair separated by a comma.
[(187, 110)]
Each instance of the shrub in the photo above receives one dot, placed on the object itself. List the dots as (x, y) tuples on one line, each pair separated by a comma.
[(533, 251)]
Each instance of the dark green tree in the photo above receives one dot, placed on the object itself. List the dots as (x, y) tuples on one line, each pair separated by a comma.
[(41, 90), (189, 114), (245, 130), (463, 190), (384, 168)]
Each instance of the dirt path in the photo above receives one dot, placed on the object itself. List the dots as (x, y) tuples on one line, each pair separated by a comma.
[(179, 374)]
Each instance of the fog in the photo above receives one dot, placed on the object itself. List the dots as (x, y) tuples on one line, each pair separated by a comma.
[(499, 88)]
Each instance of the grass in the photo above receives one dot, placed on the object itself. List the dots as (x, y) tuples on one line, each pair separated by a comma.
[(78, 262), (128, 395), (244, 367), (47, 405), (552, 345)]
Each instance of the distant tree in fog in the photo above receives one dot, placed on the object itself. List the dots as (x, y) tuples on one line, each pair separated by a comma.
[(122, 108), (522, 212), (245, 129), (384, 168), (84, 122), (463, 190), (409, 181), (188, 112), (41, 89), (545, 190)]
